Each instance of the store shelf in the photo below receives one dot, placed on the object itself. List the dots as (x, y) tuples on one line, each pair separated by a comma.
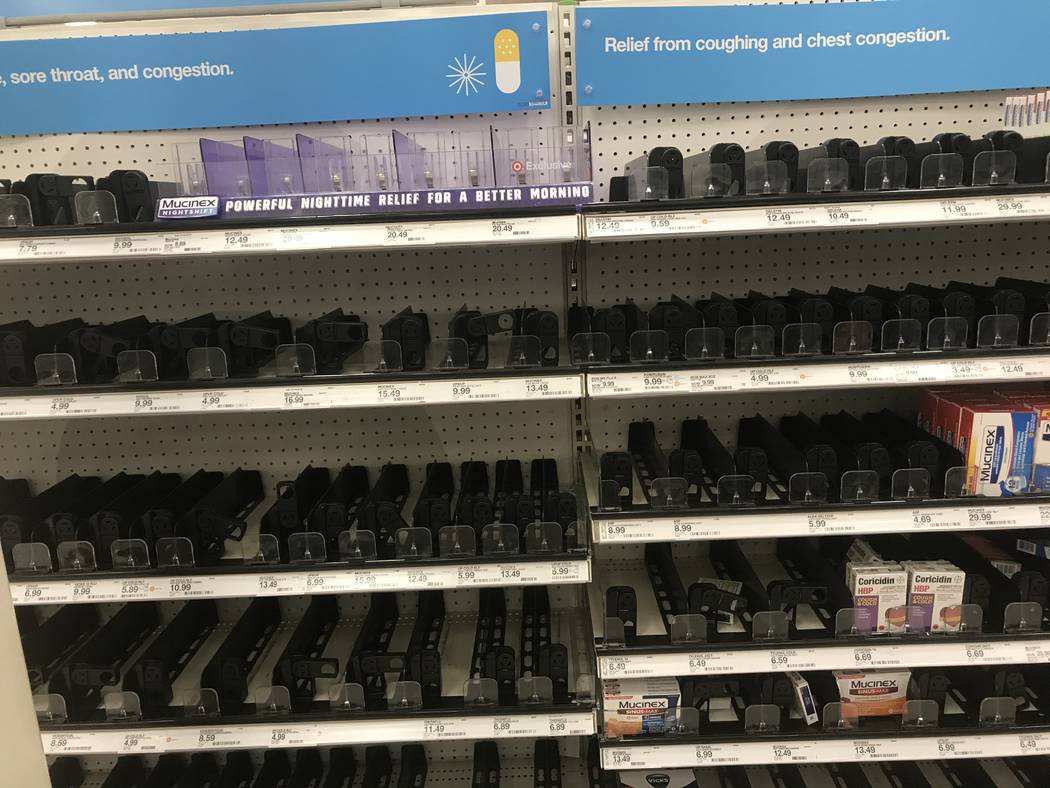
[(693, 525), (174, 240), (868, 371), (827, 748), (800, 213), (432, 726), (919, 652), (285, 581), (304, 394)]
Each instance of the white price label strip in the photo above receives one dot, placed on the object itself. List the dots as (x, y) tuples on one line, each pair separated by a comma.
[(825, 750), (104, 741), (781, 218), (830, 657), (823, 375), (350, 580), (756, 525)]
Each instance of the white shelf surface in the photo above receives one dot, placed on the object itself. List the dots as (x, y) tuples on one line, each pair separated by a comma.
[(664, 223), (276, 732), (921, 369), (371, 391), (928, 652), (825, 749), (349, 580), (756, 524), (174, 241)]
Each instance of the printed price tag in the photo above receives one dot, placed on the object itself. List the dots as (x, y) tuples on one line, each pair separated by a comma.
[(1033, 743), (299, 736), (84, 591), (40, 248), (305, 398), (127, 245), (247, 240), (273, 585), (504, 229), (565, 571), (848, 215), (659, 381), (59, 743), (140, 742), (965, 370), (559, 726), (775, 377), (946, 748), (436, 730), (188, 587), (393, 393), (621, 759), (156, 403), (29, 592), (783, 753), (868, 750), (225, 400), (136, 589), (709, 662), (1012, 368), (963, 210), (1037, 653), (615, 532), (777, 218), (822, 522), (219, 738), (407, 234), (604, 226), (863, 657), (616, 667)]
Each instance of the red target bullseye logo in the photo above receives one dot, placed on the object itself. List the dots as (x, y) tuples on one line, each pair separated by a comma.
[(517, 167)]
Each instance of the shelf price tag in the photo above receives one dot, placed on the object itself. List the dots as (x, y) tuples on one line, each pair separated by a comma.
[(407, 234), (1033, 743), (966, 370), (867, 750), (40, 248), (58, 743), (436, 730), (702, 663), (135, 589), (274, 585), (218, 738), (963, 210), (782, 753), (848, 215), (155, 403), (507, 229), (125, 245), (1012, 367), (863, 657), (139, 742), (1037, 653), (84, 591), (826, 522), (187, 587), (599, 226), (304, 398), (659, 381), (211, 401), (565, 571), (305, 736), (621, 759)]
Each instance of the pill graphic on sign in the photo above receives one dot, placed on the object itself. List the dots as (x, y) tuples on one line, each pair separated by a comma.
[(508, 61)]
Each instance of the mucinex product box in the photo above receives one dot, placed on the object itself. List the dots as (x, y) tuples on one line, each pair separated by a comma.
[(636, 706), (997, 441), (874, 693)]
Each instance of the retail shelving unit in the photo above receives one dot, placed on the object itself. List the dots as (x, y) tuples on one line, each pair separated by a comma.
[(552, 259)]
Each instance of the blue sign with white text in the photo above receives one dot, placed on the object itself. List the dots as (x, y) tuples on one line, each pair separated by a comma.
[(668, 54), (66, 8), (446, 66)]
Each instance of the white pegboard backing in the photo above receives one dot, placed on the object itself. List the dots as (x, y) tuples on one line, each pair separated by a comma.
[(374, 285), (449, 764), (622, 133), (282, 444), (692, 268), (609, 419)]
